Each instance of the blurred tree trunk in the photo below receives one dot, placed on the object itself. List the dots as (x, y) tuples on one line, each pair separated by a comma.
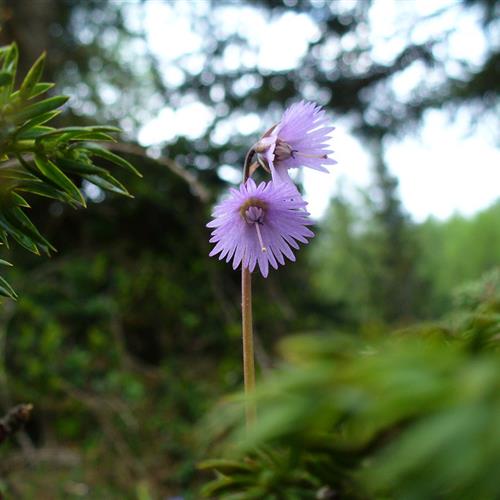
[(394, 286), (28, 22)]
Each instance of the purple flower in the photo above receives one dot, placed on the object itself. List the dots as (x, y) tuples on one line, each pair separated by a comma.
[(300, 139), (259, 224)]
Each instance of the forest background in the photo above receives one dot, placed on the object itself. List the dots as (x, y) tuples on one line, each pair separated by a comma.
[(127, 336)]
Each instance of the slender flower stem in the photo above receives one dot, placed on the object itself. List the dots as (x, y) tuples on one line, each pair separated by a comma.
[(247, 324), (248, 163), (248, 353)]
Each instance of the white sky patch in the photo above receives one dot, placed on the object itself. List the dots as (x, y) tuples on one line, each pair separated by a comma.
[(229, 173), (241, 19), (248, 124), (446, 170), (467, 41), (383, 19), (159, 129), (351, 171), (190, 121), (441, 170), (169, 33), (242, 124), (285, 41), (408, 80)]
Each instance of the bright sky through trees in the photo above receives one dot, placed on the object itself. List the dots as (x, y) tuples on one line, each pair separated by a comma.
[(444, 167)]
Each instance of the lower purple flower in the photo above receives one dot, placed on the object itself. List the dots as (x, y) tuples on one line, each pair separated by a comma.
[(260, 225)]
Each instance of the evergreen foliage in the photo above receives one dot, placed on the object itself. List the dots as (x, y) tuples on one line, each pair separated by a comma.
[(468, 245), (361, 256), (38, 159)]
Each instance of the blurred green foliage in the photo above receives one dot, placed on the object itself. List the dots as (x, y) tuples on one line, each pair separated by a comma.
[(468, 245), (350, 265), (411, 414)]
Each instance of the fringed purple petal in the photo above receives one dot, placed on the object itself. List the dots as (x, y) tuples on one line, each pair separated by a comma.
[(283, 223), (304, 136)]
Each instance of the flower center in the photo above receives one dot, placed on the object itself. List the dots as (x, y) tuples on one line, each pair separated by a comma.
[(254, 215), (253, 212), (283, 151)]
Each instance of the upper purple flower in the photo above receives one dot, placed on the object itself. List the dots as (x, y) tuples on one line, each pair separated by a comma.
[(259, 224), (300, 139)]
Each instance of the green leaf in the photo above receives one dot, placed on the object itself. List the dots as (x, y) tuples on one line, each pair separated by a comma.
[(10, 66), (92, 173), (19, 200), (5, 263), (4, 238), (34, 132), (69, 132), (38, 89), (18, 219), (28, 166), (16, 173), (39, 108), (3, 51), (38, 120), (80, 167), (21, 238), (53, 173), (46, 190), (11, 58), (226, 484), (6, 290), (111, 157), (33, 77), (108, 185), (224, 465), (88, 135), (5, 78), (74, 132)]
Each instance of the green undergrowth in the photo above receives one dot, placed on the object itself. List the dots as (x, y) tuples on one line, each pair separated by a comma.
[(411, 414)]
